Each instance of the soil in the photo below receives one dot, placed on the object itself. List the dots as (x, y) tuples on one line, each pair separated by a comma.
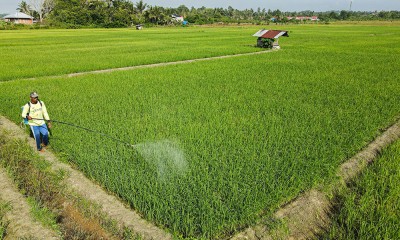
[(111, 205)]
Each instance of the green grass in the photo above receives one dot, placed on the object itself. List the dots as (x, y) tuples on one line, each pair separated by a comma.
[(4, 208), (221, 142), (369, 208), (43, 215)]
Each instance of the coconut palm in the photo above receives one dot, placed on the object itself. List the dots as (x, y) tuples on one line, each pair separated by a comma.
[(24, 8), (140, 6), (155, 15)]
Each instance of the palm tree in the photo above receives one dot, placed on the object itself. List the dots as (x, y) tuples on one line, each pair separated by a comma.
[(24, 8), (154, 15), (141, 6), (182, 10)]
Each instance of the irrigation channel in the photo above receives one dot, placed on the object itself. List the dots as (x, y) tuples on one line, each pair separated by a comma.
[(305, 216)]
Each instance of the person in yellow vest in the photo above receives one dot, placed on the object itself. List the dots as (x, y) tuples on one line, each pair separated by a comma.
[(36, 113)]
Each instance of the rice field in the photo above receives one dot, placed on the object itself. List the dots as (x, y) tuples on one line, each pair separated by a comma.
[(218, 144), (369, 208), (29, 54)]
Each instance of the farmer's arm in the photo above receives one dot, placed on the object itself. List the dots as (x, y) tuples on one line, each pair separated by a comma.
[(45, 114), (25, 111)]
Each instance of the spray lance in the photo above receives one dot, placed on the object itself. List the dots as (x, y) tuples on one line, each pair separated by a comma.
[(89, 130), (167, 157)]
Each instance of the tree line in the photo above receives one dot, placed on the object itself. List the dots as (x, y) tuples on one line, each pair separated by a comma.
[(123, 13)]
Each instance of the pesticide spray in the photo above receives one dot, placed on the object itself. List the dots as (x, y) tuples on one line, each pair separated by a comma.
[(165, 155)]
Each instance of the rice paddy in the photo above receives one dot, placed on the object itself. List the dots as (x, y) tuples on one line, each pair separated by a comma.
[(219, 143)]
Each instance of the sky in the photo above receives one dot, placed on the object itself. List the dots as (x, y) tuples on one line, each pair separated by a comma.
[(9, 6)]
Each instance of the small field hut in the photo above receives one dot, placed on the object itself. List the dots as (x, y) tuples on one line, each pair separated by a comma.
[(19, 18), (270, 34)]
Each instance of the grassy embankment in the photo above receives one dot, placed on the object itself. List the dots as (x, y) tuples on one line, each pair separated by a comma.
[(4, 208), (219, 143), (52, 204)]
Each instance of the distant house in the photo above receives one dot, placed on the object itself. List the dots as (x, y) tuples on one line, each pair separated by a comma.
[(304, 18), (271, 34), (177, 18), (299, 18), (19, 17)]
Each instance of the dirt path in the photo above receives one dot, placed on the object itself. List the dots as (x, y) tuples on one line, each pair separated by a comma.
[(21, 223), (110, 205), (308, 214), (149, 65)]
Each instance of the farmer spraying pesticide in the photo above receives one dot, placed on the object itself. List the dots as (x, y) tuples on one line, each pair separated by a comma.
[(35, 113)]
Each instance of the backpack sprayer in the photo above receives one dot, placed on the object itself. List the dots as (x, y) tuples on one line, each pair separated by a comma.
[(35, 95), (84, 128)]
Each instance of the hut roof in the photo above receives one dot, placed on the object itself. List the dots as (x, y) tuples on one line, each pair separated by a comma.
[(271, 33), (18, 15)]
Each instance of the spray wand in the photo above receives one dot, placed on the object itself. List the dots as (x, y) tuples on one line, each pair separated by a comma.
[(90, 130)]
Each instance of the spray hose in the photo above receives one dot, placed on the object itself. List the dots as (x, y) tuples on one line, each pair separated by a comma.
[(90, 130)]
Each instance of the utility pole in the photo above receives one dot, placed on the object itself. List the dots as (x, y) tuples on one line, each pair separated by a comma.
[(351, 2)]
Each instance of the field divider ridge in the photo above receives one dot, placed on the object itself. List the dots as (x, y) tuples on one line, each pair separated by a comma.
[(21, 223), (76, 181), (309, 214), (146, 66)]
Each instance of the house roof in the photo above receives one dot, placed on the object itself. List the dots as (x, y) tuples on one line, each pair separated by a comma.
[(18, 15), (270, 33)]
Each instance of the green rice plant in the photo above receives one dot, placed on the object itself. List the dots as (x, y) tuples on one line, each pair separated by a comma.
[(30, 54), (369, 208), (218, 144)]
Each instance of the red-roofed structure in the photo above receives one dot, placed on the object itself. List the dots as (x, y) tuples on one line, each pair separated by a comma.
[(271, 34)]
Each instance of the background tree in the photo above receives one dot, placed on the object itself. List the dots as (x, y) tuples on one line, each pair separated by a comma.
[(140, 6), (120, 13), (48, 6), (182, 10), (42, 7), (155, 15), (37, 5), (344, 15), (24, 8)]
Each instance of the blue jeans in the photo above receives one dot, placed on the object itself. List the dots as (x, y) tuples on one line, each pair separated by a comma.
[(37, 130)]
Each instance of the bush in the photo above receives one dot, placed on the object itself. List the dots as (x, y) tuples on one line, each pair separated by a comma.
[(265, 42), (72, 26), (115, 24)]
